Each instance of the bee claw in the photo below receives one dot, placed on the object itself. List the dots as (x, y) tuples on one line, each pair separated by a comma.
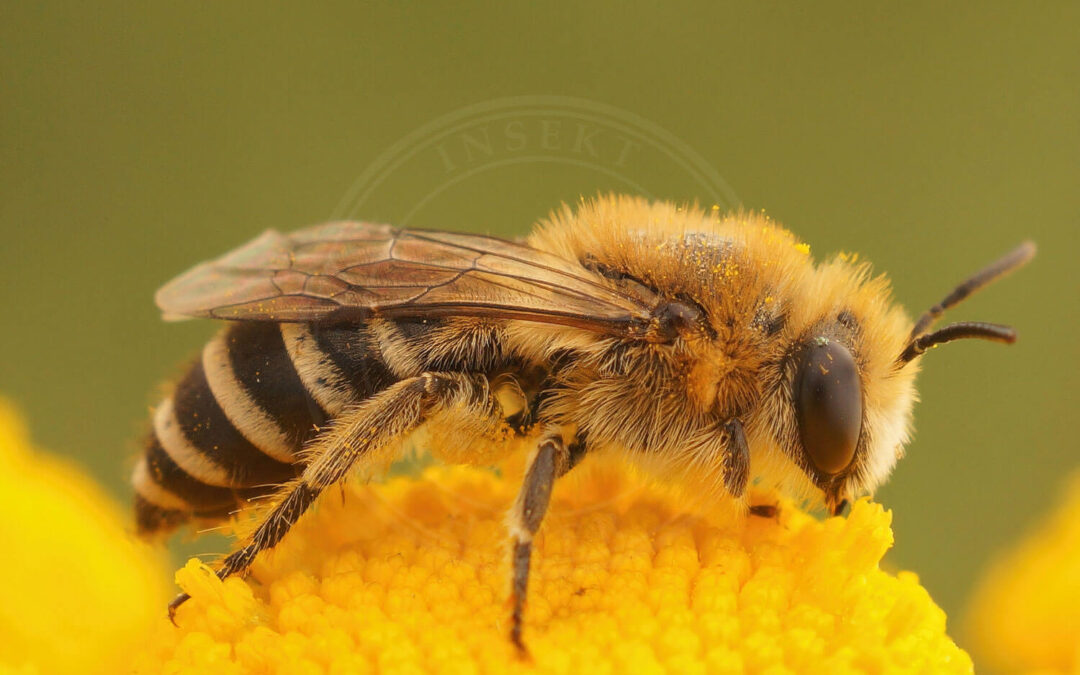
[(175, 604), (519, 645)]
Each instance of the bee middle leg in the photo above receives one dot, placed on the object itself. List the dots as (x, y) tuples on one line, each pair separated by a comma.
[(372, 425), (552, 459)]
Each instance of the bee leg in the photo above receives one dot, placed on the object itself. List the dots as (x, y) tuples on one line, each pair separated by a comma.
[(175, 605), (552, 459), (371, 426), (736, 459), (737, 467)]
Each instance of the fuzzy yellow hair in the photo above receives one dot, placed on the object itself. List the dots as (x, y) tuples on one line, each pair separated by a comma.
[(738, 268)]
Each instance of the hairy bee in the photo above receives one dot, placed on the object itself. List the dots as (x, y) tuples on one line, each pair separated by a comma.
[(707, 348)]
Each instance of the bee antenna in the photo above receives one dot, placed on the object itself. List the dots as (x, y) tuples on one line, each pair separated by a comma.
[(995, 270), (958, 331)]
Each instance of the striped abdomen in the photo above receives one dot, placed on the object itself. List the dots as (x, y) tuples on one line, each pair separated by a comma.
[(235, 425)]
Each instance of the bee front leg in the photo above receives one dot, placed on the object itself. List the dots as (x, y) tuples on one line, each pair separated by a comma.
[(737, 467), (372, 425), (736, 458), (552, 459)]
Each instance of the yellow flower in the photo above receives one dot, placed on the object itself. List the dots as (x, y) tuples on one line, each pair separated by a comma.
[(1026, 611), (411, 576), (77, 592)]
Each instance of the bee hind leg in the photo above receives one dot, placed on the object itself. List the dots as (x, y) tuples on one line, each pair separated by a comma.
[(371, 426), (552, 460)]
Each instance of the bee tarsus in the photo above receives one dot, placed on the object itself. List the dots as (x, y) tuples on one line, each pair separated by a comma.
[(175, 605)]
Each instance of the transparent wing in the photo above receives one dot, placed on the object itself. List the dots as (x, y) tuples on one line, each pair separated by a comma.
[(351, 271)]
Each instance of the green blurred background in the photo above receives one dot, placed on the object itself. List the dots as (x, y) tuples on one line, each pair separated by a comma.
[(138, 140)]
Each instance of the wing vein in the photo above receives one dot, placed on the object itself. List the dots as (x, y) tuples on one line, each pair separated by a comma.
[(350, 271)]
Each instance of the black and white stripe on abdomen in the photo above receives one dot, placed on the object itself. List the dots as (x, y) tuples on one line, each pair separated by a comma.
[(338, 365), (234, 427)]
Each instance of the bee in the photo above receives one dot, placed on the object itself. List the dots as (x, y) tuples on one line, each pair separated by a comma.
[(709, 349)]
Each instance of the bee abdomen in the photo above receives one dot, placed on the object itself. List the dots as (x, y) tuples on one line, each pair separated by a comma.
[(234, 428)]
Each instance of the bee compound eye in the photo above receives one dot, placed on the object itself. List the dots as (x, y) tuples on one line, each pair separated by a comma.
[(828, 404)]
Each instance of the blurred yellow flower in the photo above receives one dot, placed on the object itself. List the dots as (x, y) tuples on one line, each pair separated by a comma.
[(1026, 613), (77, 592), (411, 576)]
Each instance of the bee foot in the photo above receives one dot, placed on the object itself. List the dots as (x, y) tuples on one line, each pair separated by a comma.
[(175, 604), (519, 646)]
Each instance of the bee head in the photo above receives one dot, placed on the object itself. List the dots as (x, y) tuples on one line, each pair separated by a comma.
[(851, 380)]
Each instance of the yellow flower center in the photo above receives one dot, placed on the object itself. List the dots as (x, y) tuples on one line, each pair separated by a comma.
[(412, 576)]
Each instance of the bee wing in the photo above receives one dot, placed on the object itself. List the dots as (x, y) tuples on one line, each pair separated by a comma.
[(351, 271)]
